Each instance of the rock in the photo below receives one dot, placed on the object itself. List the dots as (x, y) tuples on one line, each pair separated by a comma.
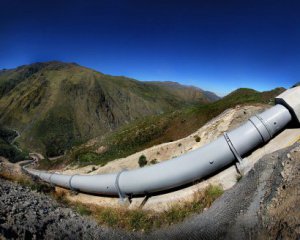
[(25, 214)]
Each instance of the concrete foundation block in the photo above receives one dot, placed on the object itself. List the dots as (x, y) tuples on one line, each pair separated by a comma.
[(291, 100)]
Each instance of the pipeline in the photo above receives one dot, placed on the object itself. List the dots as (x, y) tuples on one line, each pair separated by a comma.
[(194, 165)]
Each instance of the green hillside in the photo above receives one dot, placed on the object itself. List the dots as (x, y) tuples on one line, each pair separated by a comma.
[(153, 130), (57, 105), (9, 148)]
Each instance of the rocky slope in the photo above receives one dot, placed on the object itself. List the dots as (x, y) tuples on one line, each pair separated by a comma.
[(55, 105), (25, 214)]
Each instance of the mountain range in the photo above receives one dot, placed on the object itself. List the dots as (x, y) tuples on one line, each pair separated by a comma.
[(56, 105)]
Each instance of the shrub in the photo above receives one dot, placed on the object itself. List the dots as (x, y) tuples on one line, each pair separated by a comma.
[(197, 138), (238, 177), (142, 161), (153, 161), (11, 152), (7, 135)]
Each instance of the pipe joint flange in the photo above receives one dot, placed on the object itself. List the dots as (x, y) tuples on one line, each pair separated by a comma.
[(122, 196), (265, 125), (70, 183), (261, 129), (50, 181), (234, 151)]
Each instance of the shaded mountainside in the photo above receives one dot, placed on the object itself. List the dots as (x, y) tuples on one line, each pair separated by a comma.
[(55, 105), (153, 130)]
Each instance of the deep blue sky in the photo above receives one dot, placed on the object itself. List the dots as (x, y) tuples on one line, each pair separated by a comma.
[(217, 45)]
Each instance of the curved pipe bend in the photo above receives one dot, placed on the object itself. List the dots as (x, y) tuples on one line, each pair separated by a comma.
[(184, 169)]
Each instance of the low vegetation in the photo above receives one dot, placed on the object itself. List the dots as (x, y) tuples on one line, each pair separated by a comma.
[(238, 177), (153, 161), (8, 149), (145, 220), (197, 138), (142, 161), (26, 181)]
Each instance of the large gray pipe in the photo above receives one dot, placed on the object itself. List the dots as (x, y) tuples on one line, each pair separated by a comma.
[(184, 169)]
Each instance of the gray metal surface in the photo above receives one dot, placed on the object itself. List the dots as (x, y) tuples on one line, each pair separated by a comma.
[(184, 169)]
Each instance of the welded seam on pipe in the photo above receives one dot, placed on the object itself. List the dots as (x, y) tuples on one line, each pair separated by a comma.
[(70, 182), (232, 148), (50, 179)]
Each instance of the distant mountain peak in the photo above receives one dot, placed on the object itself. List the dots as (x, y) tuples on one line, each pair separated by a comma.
[(187, 90)]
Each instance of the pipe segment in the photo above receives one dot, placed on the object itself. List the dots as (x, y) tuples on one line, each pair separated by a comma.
[(184, 169)]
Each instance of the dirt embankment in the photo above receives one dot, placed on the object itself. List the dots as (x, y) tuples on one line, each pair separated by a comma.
[(280, 211), (226, 121)]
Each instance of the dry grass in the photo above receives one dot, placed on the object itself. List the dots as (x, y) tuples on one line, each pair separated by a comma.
[(144, 220), (27, 181), (60, 195), (11, 176), (133, 220)]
